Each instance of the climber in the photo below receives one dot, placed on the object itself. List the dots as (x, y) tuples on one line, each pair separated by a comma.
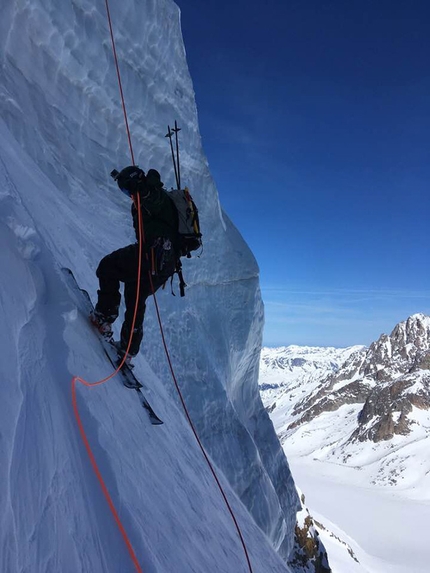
[(159, 258)]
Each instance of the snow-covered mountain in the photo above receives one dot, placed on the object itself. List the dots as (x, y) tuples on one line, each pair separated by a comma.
[(296, 369), (357, 406), (355, 425), (61, 133)]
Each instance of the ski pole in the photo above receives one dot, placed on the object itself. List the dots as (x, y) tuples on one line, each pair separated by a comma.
[(169, 134), (176, 130)]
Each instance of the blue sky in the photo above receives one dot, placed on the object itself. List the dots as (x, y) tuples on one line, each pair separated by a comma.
[(315, 118)]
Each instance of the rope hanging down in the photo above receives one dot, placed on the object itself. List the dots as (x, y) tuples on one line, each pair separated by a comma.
[(98, 383), (104, 380)]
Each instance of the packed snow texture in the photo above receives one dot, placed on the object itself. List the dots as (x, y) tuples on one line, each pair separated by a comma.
[(61, 133)]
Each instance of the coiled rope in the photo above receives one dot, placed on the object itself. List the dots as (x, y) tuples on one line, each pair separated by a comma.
[(104, 380)]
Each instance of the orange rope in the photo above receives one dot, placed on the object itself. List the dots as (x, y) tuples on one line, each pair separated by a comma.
[(98, 383), (119, 81), (97, 471), (90, 385), (81, 426)]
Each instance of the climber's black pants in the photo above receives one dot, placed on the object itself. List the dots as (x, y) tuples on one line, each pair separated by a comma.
[(122, 266)]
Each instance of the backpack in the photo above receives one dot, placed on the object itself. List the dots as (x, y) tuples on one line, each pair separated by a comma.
[(189, 235), (188, 226)]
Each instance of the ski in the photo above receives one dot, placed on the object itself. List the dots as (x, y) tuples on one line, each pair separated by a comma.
[(128, 376), (130, 381)]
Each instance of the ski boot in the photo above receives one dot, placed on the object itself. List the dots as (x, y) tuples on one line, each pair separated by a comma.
[(103, 326)]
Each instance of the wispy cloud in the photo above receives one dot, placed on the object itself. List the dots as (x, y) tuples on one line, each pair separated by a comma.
[(368, 293), (337, 317)]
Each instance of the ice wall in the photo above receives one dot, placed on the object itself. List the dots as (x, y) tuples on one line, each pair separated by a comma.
[(59, 98)]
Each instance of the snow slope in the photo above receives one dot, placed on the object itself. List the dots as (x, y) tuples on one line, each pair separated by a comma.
[(61, 133)]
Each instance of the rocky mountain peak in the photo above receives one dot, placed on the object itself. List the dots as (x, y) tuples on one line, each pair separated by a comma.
[(415, 330), (389, 381), (406, 348)]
